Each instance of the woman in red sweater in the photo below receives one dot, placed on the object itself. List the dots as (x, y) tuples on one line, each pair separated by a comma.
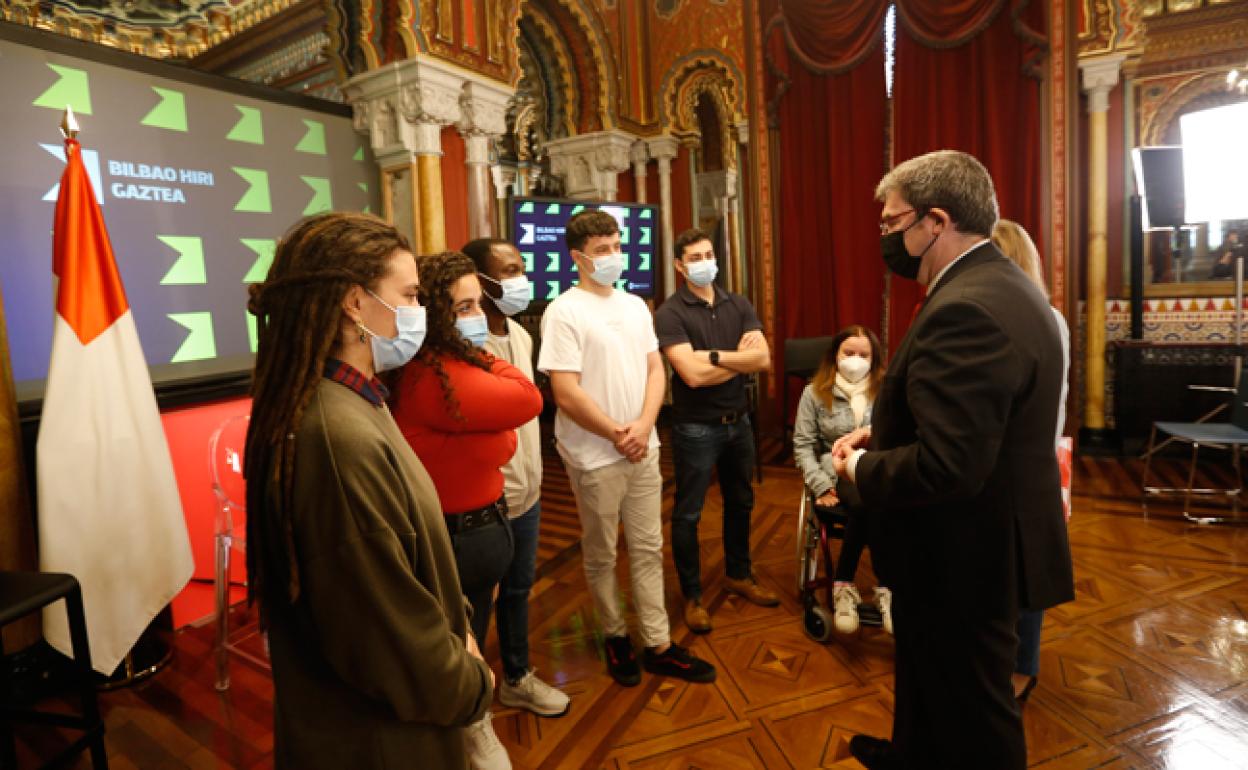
[(459, 407)]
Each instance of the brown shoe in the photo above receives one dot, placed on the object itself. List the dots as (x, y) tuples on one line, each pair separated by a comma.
[(751, 589), (696, 617)]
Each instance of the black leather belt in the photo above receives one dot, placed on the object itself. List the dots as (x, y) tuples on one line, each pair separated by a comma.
[(732, 418), (478, 517)]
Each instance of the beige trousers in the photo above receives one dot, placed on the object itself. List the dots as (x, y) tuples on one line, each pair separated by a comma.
[(629, 494)]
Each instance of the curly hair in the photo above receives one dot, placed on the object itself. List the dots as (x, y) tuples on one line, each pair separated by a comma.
[(298, 311), (438, 273)]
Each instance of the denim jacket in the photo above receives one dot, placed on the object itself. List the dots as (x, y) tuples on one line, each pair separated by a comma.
[(815, 429)]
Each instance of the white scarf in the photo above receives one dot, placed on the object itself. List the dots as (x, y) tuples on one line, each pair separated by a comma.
[(857, 392)]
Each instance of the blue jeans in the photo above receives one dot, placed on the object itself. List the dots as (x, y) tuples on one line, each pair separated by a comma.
[(513, 594), (699, 450), (1029, 624)]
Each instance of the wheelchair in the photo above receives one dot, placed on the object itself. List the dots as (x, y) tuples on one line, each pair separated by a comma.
[(816, 525)]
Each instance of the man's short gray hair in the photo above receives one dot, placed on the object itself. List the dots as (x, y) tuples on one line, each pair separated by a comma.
[(947, 179)]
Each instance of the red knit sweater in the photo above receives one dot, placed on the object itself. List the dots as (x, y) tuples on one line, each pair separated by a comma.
[(463, 457)]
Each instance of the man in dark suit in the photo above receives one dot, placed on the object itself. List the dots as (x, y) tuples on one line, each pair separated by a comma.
[(960, 466)]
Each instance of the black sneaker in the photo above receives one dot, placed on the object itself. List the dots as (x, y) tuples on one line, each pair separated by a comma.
[(622, 661), (678, 662)]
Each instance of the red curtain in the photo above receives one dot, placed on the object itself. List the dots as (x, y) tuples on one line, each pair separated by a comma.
[(831, 37), (946, 23), (978, 98)]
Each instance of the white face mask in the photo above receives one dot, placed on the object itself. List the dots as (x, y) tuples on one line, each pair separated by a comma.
[(517, 291), (392, 352), (853, 368), (702, 273), (607, 268)]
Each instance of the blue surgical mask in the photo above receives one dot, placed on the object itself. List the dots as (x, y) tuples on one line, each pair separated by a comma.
[(392, 352), (473, 328), (607, 269), (703, 272), (517, 292)]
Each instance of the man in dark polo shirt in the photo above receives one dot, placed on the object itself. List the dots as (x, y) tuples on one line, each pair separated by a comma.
[(712, 338)]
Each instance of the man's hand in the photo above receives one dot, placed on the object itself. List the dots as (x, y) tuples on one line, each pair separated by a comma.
[(751, 340), (844, 446), (632, 440), (827, 499)]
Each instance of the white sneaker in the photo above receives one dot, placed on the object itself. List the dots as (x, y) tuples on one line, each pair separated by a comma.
[(534, 695), (884, 601), (846, 599), (485, 750)]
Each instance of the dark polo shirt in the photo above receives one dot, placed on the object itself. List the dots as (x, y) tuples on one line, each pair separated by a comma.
[(685, 318)]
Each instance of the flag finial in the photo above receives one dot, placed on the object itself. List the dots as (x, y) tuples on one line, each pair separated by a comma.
[(69, 124)]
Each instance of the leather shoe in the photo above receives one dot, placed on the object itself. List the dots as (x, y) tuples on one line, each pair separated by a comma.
[(874, 753), (696, 617), (1025, 693), (751, 589)]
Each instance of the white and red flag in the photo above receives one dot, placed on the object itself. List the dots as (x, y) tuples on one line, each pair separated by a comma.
[(109, 511)]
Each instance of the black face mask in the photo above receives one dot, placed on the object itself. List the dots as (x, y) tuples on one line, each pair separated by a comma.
[(900, 261)]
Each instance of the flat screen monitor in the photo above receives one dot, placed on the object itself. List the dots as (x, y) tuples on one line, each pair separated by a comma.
[(1159, 180), (197, 177), (538, 231)]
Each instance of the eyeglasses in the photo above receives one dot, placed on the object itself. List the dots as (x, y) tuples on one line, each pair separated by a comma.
[(886, 223)]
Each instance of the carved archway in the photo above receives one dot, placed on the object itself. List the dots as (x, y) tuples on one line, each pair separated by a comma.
[(701, 78)]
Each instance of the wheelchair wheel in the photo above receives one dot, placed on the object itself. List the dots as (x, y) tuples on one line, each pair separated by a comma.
[(817, 621)]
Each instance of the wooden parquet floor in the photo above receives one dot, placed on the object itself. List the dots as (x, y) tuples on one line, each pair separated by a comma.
[(1148, 668)]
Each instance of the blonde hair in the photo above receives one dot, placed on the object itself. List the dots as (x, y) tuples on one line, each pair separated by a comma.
[(1016, 244)]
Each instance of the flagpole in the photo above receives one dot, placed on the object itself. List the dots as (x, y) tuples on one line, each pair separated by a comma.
[(154, 652)]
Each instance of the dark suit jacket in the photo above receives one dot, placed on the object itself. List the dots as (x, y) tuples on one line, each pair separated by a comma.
[(962, 465)]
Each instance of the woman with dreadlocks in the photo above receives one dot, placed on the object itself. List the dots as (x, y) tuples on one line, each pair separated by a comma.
[(459, 408), (347, 554)]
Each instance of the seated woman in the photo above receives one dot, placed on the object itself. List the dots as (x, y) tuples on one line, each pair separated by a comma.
[(837, 401), (459, 407), (347, 555)]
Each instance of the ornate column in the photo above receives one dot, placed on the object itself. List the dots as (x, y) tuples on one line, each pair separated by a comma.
[(663, 149), (639, 157), (590, 164), (506, 179), (403, 107), (483, 108), (1100, 75)]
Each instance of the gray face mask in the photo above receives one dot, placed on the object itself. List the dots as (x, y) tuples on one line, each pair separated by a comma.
[(392, 352)]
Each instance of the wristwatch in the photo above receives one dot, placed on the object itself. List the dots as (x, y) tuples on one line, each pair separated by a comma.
[(714, 358)]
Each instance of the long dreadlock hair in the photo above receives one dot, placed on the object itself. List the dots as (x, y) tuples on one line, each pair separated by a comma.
[(438, 273), (298, 310)]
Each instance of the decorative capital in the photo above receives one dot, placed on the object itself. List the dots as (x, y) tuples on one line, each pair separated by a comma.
[(742, 128), (663, 149), (483, 108), (1100, 75), (590, 163), (639, 156)]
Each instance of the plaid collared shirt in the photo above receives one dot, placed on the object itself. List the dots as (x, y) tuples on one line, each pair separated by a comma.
[(368, 387)]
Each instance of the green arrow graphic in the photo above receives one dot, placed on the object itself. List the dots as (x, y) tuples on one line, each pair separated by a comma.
[(188, 270), (645, 237), (200, 343), (624, 235), (321, 200), (257, 196), (552, 289), (364, 186), (169, 113), (250, 126), (576, 210), (253, 337), (71, 88), (645, 214), (264, 248), (553, 265), (552, 208), (526, 208), (313, 141), (645, 261), (359, 154), (527, 256)]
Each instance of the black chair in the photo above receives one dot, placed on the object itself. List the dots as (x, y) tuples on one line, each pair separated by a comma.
[(22, 593), (802, 356), (1218, 435)]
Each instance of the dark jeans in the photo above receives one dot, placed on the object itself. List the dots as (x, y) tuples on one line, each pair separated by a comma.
[(482, 555), (851, 547), (699, 450), (513, 594), (1029, 624)]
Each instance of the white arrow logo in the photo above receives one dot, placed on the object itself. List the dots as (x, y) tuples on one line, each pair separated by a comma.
[(90, 159), (527, 235)]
